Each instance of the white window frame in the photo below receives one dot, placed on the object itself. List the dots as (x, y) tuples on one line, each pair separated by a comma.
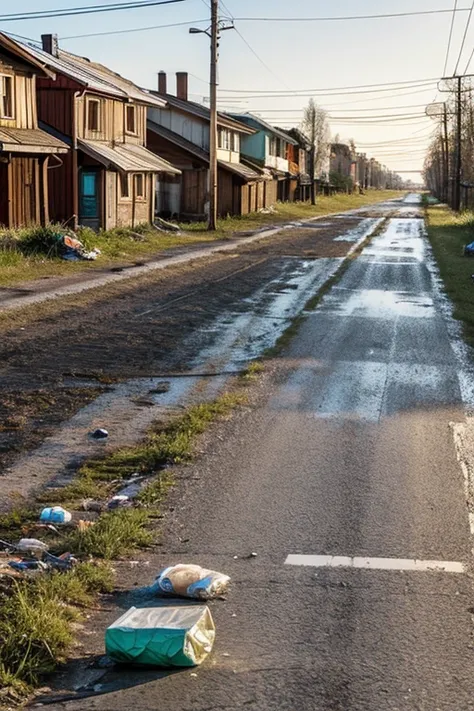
[(143, 196)]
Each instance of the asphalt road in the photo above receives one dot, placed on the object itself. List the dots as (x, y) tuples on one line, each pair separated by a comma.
[(351, 455)]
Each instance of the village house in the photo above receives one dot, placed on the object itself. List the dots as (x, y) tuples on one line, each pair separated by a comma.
[(299, 163), (181, 134), (25, 150), (108, 179), (342, 167), (268, 148)]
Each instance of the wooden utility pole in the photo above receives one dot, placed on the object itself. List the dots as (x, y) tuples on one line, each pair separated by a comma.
[(458, 173), (446, 152), (213, 107)]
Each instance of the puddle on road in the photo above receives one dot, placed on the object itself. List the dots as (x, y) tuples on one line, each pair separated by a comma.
[(376, 303), (233, 340)]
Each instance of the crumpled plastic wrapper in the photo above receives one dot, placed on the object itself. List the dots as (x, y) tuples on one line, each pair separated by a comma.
[(186, 580), (162, 636)]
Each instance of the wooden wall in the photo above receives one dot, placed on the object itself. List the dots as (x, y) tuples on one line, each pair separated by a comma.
[(112, 121), (24, 191), (24, 95)]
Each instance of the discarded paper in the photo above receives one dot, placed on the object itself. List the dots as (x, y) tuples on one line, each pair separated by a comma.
[(192, 581), (162, 636)]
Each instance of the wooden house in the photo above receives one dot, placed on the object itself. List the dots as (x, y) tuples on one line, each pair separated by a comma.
[(109, 177), (268, 148), (25, 150), (299, 164), (180, 132)]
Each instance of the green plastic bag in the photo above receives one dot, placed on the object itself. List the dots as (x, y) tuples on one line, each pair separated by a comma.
[(179, 636)]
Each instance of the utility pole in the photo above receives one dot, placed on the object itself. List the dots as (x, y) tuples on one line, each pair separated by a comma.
[(446, 152), (457, 176), (213, 107)]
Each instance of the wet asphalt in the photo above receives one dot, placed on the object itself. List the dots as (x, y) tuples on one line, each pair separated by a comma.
[(351, 454)]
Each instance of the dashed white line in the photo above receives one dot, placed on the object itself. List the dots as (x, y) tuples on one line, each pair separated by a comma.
[(408, 564)]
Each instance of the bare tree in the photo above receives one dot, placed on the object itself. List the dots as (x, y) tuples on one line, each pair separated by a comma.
[(315, 125)]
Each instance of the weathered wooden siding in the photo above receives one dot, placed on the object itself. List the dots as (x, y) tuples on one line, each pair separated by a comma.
[(112, 125), (190, 127), (24, 180), (24, 98), (194, 193)]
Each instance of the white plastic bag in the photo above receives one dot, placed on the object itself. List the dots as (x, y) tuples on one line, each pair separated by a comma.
[(186, 580)]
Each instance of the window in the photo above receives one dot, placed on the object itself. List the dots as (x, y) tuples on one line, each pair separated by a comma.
[(124, 185), (130, 119), (93, 114), (6, 96), (139, 185)]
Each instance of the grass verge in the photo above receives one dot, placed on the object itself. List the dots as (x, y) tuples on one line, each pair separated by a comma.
[(32, 253), (448, 234), (38, 615), (36, 621)]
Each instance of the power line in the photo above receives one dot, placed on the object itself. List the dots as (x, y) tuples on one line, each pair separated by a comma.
[(407, 84), (450, 37), (464, 38), (133, 29), (262, 62), (349, 17), (385, 108), (91, 9)]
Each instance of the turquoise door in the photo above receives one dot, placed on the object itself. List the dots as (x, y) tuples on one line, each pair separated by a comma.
[(89, 198)]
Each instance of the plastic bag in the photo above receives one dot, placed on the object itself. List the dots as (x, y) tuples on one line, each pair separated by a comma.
[(469, 250), (192, 581), (162, 636), (55, 514)]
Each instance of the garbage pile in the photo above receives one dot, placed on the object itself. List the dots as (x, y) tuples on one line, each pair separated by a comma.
[(72, 250), (169, 635)]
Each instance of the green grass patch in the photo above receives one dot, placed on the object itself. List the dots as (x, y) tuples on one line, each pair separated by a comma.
[(287, 211), (31, 253), (448, 234), (36, 620), (114, 535)]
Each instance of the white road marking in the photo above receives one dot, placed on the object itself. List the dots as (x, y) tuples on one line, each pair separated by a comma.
[(409, 564)]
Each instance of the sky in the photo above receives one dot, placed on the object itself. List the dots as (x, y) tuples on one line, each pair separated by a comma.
[(285, 57)]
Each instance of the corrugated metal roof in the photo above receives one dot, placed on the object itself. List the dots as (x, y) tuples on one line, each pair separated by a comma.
[(265, 126), (239, 169), (33, 137), (94, 76), (203, 112), (127, 157), (19, 50)]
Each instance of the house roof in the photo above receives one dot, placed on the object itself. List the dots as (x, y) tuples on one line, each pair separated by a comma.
[(203, 112), (10, 45), (126, 157), (93, 76), (29, 140), (263, 125), (299, 136), (244, 171)]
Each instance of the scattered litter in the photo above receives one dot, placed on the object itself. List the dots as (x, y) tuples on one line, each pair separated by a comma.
[(84, 525), (162, 636), (72, 250), (192, 581), (469, 250), (193, 675), (91, 505), (31, 545), (99, 433), (63, 562), (268, 210), (55, 514), (252, 555), (23, 566), (133, 487), (119, 501), (160, 388), (163, 225), (226, 654)]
